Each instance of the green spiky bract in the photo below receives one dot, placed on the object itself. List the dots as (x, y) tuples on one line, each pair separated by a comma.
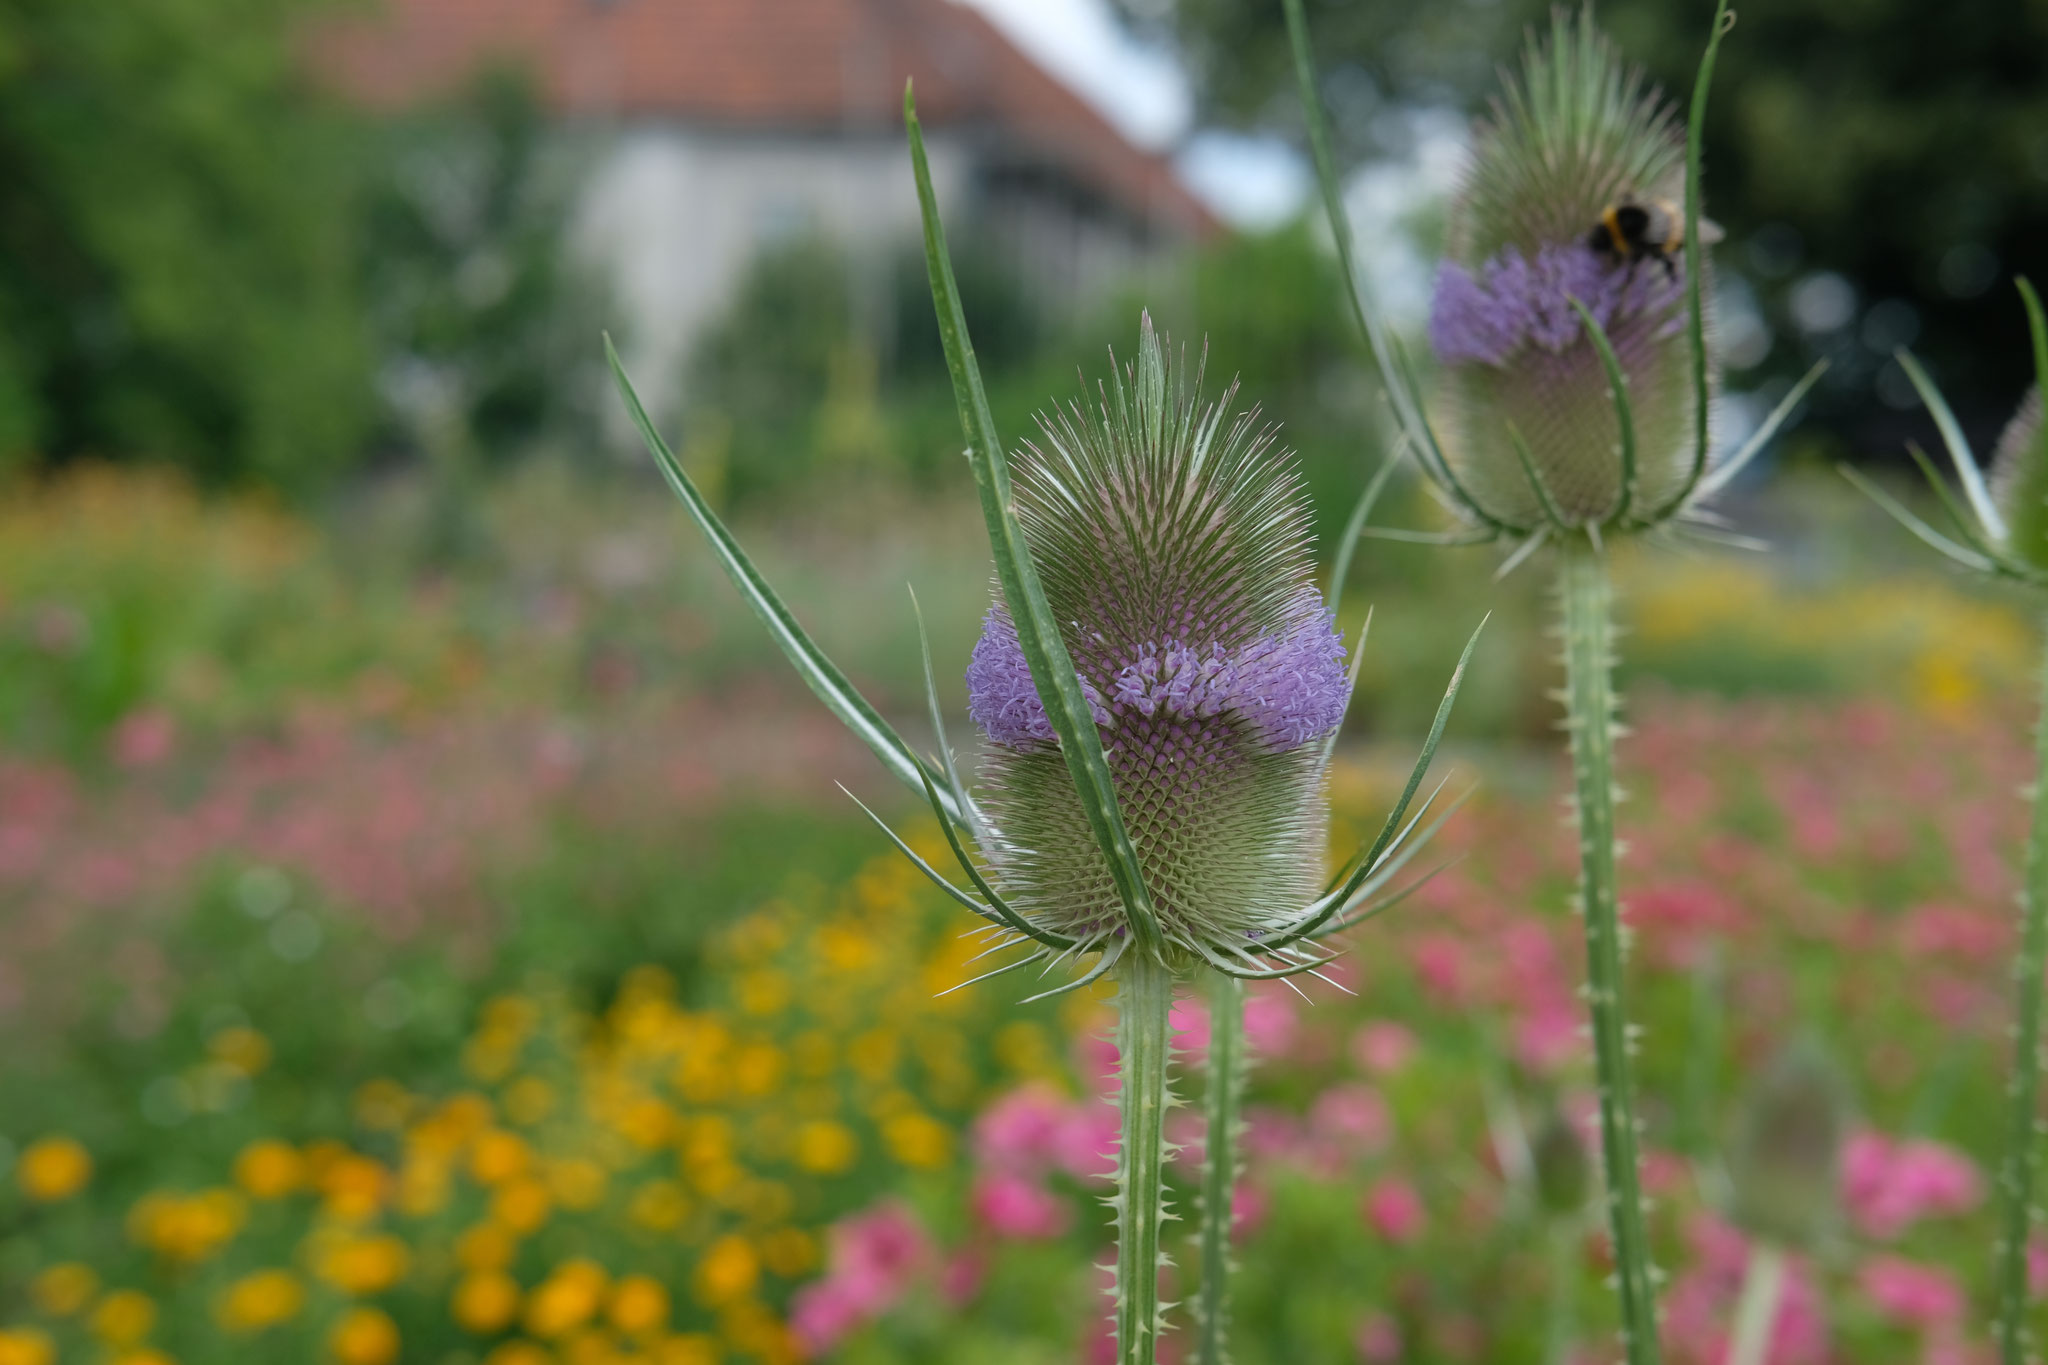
[(1578, 132)]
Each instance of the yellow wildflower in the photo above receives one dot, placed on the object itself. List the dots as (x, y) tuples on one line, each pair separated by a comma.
[(918, 1140), (187, 1228), (659, 1205), (753, 1328), (520, 1353), (691, 1348), (485, 1303), (498, 1156), (764, 992), (354, 1186), (639, 1306), (145, 1356), (422, 1186), (577, 1183), (362, 1265), (528, 1100), (647, 1123), (364, 1336), (382, 1105), (873, 1054), (728, 1271), (54, 1168), (261, 1299), (757, 1068), (815, 1054), (825, 1147), (789, 1252), (511, 1017), (124, 1317), (269, 1169), (63, 1289), (589, 1346), (521, 1206), (486, 1246), (244, 1049), (567, 1299), (26, 1346)]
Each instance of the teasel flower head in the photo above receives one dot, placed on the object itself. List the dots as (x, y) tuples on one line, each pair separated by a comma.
[(1173, 542), (1565, 268), (1999, 525), (1785, 1162)]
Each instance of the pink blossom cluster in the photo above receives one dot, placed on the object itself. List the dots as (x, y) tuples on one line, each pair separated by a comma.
[(875, 1259), (1021, 1142), (1888, 1185)]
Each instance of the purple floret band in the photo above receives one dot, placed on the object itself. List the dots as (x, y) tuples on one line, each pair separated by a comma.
[(1512, 301), (1289, 687)]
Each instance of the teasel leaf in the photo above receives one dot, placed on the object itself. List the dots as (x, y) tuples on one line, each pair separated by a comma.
[(1696, 327), (1968, 558), (1624, 417), (1958, 445), (824, 678), (1403, 391), (1052, 669), (1724, 473)]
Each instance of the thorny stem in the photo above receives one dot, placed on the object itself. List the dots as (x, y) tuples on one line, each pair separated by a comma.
[(1144, 1002), (1220, 1103), (1589, 718), (2018, 1177), (1756, 1311)]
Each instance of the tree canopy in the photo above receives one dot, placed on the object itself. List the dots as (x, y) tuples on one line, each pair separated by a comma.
[(1895, 147)]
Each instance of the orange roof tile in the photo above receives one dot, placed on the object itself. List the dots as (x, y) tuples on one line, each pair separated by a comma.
[(788, 63)]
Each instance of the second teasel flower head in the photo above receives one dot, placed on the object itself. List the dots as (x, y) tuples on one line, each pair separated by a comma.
[(1575, 190), (1173, 543)]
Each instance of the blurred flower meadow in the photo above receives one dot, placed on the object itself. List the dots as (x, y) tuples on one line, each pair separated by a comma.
[(442, 983), (431, 930)]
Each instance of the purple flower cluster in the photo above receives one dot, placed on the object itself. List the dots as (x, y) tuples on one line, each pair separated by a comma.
[(1513, 301), (1001, 698), (1289, 688)]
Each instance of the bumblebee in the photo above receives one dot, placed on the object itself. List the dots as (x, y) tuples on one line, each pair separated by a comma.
[(1647, 229)]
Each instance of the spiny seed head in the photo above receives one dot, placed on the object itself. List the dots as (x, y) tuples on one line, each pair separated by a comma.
[(1172, 540), (2019, 481), (1787, 1150), (1578, 138), (1563, 1174)]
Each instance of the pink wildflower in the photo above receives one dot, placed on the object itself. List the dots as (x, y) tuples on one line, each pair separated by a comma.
[(1017, 1207), (1395, 1211), (1910, 1293), (1890, 1186), (1382, 1047)]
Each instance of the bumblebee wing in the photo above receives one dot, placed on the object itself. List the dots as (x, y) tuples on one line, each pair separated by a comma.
[(1711, 232)]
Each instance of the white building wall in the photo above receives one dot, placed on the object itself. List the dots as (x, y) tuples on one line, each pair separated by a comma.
[(671, 216)]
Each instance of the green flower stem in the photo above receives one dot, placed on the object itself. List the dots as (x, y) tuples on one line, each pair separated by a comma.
[(1756, 1311), (1220, 1104), (1589, 717), (2017, 1179), (1561, 1326), (1144, 1002)]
